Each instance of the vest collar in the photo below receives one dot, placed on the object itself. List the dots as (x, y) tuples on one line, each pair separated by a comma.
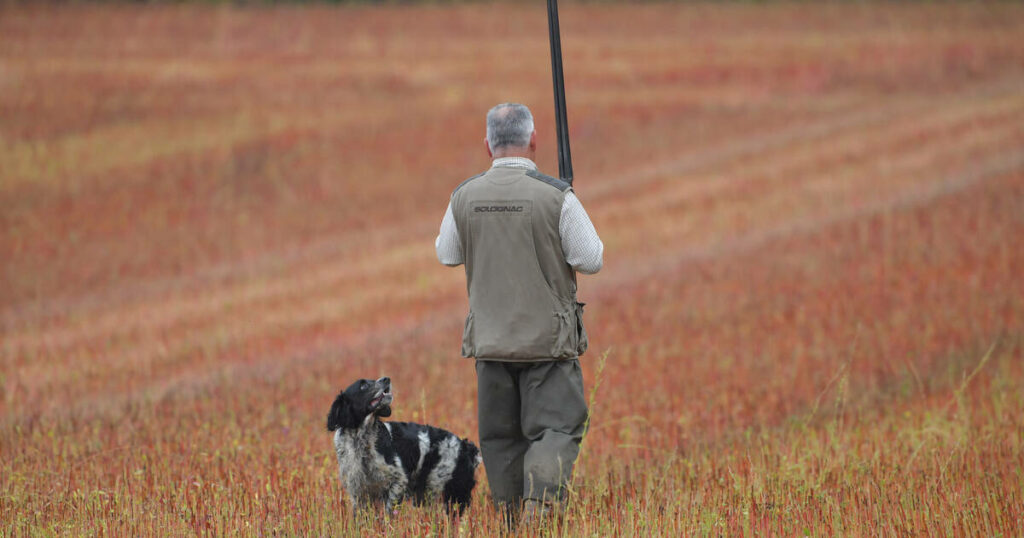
[(514, 162)]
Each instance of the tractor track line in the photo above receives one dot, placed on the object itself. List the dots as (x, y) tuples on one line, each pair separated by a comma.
[(206, 305), (36, 312), (949, 184), (606, 285)]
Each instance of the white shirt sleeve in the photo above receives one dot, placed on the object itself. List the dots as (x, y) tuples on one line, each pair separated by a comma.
[(581, 245), (583, 249), (447, 244)]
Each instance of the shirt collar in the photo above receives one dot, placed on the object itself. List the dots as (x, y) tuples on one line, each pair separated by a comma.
[(514, 162)]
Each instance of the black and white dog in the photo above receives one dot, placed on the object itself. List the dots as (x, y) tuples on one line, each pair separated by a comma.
[(384, 462)]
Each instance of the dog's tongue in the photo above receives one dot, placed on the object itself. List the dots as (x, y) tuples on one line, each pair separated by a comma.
[(376, 400)]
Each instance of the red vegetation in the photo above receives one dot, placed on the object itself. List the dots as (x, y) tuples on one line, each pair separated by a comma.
[(811, 318)]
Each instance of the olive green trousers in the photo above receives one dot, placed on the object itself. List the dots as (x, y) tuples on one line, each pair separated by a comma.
[(531, 417)]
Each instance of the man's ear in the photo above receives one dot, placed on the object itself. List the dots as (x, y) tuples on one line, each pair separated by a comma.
[(488, 146), (533, 141)]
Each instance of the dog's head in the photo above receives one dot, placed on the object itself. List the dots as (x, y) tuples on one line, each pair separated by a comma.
[(360, 400)]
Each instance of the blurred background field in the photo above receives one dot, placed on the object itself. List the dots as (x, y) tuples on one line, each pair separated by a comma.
[(810, 320)]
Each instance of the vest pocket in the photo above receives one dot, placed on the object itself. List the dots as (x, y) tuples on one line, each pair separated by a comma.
[(582, 342), (571, 340), (563, 339), (468, 345)]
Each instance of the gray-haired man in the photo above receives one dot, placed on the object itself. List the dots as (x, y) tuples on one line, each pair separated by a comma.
[(522, 236)]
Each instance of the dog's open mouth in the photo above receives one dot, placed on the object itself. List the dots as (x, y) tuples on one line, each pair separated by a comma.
[(382, 398)]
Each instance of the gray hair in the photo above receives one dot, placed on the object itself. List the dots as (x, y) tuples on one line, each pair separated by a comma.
[(509, 125)]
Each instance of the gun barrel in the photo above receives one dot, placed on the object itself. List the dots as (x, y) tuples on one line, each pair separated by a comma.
[(558, 82)]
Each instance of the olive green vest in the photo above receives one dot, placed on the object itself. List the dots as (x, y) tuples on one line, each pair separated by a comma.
[(522, 293)]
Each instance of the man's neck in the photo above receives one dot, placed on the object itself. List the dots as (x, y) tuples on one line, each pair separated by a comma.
[(513, 162), (524, 152)]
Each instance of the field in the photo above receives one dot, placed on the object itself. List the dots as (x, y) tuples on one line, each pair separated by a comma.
[(810, 320)]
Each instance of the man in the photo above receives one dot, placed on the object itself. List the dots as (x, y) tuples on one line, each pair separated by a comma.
[(522, 236)]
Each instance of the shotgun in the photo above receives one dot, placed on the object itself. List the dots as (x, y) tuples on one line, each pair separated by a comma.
[(558, 81)]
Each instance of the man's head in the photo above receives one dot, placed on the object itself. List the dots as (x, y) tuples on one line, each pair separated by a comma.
[(510, 131)]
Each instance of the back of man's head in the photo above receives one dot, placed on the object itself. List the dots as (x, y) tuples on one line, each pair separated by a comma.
[(509, 125)]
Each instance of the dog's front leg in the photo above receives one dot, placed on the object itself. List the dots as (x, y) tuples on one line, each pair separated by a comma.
[(357, 506), (394, 496)]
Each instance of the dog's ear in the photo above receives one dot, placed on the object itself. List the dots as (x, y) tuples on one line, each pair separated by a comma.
[(471, 453), (341, 415)]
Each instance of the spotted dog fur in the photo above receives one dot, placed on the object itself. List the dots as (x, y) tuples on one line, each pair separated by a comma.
[(385, 462)]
